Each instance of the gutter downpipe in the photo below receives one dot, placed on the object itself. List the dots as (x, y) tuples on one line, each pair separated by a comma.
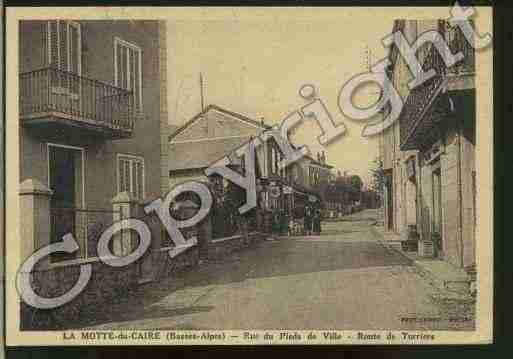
[(459, 184)]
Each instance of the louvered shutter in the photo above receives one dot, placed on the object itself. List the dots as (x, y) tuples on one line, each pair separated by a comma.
[(53, 42), (63, 46), (140, 179), (74, 49), (135, 179), (44, 38), (136, 78)]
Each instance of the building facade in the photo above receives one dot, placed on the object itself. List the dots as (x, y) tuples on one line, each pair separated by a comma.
[(217, 132), (93, 111), (433, 182)]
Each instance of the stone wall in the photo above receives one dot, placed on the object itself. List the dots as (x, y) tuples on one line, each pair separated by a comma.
[(107, 285), (110, 285)]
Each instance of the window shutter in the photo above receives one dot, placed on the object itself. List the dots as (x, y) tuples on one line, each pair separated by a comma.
[(74, 42), (44, 35), (127, 176), (135, 179), (136, 80), (122, 175), (63, 48), (140, 179), (53, 43)]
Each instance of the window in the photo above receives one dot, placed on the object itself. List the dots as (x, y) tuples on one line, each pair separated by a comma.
[(131, 175), (63, 46), (127, 69)]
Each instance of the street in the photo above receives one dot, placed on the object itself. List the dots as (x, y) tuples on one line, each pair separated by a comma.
[(343, 279)]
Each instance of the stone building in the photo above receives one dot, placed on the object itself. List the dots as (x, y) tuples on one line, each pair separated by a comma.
[(399, 200), (93, 114), (206, 138), (217, 132), (432, 177), (92, 121)]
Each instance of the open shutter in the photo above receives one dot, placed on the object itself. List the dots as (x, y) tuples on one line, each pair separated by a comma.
[(63, 46), (135, 179), (44, 38), (74, 48), (136, 75), (140, 180), (53, 42)]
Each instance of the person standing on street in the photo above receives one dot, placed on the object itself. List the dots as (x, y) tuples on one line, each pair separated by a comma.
[(317, 221), (308, 221)]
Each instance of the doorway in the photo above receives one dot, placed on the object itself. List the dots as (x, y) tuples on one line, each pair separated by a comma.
[(65, 179), (389, 200), (437, 234)]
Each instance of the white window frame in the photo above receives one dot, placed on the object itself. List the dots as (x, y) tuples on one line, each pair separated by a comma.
[(85, 258), (128, 45), (49, 43), (132, 159)]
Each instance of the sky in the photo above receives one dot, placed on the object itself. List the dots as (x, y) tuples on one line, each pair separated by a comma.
[(255, 62)]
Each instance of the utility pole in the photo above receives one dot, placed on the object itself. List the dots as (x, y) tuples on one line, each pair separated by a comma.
[(201, 93)]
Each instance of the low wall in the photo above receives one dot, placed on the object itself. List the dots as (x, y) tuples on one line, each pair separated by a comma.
[(107, 284)]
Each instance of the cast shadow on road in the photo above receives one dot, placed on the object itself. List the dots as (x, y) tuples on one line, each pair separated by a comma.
[(290, 257)]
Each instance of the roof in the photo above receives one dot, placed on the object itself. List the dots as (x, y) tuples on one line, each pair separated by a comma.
[(221, 110), (201, 154)]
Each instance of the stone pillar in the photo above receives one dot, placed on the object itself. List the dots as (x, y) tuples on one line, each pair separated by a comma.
[(35, 217), (151, 260), (204, 236), (125, 206)]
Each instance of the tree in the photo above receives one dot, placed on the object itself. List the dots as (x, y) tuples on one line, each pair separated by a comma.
[(378, 176), (356, 182)]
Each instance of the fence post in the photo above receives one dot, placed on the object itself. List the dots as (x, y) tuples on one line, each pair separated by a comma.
[(125, 206), (35, 219)]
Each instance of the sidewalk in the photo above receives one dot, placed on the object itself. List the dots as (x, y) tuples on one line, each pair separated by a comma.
[(452, 283)]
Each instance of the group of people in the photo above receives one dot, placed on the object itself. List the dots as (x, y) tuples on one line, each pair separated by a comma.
[(281, 223), (313, 218)]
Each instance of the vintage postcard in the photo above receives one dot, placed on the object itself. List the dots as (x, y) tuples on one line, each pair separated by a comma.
[(183, 176)]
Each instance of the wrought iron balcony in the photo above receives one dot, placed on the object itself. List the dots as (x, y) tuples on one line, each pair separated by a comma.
[(424, 108), (52, 97)]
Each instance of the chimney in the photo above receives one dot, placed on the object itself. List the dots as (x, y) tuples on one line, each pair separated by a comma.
[(323, 157), (262, 122), (318, 157)]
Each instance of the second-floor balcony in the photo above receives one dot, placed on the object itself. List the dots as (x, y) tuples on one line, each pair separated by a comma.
[(427, 103), (53, 98)]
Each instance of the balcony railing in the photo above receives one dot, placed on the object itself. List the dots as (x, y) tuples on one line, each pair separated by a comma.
[(50, 94), (421, 97)]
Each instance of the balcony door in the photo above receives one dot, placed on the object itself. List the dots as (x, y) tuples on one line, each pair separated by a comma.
[(64, 52)]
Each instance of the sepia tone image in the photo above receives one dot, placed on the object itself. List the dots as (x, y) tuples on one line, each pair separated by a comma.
[(210, 180)]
